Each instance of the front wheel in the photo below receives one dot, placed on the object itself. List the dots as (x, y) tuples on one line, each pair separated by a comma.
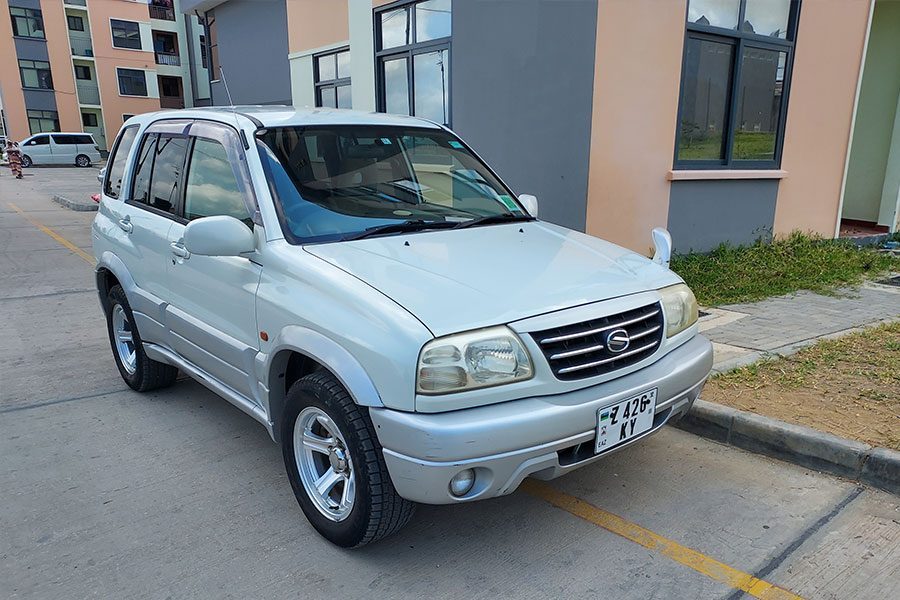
[(336, 466), (82, 160), (139, 371), (26, 161)]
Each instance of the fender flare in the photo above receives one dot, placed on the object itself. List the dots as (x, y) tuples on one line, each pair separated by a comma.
[(112, 263), (344, 366)]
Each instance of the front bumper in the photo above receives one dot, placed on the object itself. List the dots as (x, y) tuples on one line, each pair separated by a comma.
[(544, 436)]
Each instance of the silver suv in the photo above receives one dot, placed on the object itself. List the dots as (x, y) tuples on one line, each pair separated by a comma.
[(371, 292)]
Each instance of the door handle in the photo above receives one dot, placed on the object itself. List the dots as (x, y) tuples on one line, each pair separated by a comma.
[(179, 250), (125, 225)]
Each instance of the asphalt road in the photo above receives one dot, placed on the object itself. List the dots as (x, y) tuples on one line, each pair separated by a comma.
[(111, 494)]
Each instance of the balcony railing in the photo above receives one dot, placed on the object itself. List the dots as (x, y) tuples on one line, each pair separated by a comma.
[(88, 93), (162, 12), (166, 58), (81, 46)]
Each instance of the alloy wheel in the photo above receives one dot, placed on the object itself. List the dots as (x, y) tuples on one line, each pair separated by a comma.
[(324, 464)]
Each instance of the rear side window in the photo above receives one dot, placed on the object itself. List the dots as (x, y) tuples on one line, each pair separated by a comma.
[(211, 186), (157, 181), (64, 140), (117, 160)]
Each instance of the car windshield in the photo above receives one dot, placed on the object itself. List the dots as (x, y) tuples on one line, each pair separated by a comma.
[(346, 182)]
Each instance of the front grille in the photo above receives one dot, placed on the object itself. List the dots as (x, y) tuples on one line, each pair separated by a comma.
[(580, 350)]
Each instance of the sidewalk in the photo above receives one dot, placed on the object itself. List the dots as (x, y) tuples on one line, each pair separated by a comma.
[(744, 333)]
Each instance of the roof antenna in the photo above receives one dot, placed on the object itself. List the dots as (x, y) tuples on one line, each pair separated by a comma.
[(233, 112)]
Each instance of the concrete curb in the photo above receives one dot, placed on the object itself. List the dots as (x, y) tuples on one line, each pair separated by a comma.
[(79, 206), (804, 446)]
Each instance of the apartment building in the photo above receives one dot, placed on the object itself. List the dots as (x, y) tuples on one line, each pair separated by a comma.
[(723, 120), (87, 65)]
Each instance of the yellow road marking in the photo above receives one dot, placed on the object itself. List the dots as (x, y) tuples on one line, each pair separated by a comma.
[(681, 554), (81, 253)]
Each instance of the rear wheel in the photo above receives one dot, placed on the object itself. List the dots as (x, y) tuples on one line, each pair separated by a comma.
[(139, 371), (336, 465), (26, 161), (82, 160)]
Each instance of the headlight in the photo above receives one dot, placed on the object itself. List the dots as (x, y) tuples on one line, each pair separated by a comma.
[(472, 360), (680, 307)]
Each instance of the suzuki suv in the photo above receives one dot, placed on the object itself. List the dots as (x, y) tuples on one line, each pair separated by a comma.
[(376, 297)]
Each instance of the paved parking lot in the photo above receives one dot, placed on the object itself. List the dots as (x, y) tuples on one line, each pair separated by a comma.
[(111, 494)]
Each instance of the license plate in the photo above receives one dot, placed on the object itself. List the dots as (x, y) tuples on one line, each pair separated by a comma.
[(621, 422)]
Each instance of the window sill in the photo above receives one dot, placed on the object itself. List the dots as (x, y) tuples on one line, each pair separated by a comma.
[(713, 174)]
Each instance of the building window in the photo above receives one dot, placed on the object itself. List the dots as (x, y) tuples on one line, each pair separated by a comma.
[(212, 46), (331, 72), (88, 119), (125, 34), (203, 62), (125, 117), (735, 81), (36, 74), (27, 22), (83, 72), (41, 121), (132, 82), (76, 23), (413, 56)]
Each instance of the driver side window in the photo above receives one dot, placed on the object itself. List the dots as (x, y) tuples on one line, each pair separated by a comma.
[(211, 188)]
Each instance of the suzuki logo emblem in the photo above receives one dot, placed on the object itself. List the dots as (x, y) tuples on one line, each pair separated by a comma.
[(617, 341)]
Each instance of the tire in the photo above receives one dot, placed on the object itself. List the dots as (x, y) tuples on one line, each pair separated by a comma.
[(26, 161), (82, 160), (377, 510), (143, 374)]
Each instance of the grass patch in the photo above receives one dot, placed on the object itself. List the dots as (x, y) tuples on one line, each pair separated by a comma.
[(846, 386), (732, 274)]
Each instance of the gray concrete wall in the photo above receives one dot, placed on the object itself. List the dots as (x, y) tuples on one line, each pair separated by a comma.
[(703, 214), (253, 49), (522, 74)]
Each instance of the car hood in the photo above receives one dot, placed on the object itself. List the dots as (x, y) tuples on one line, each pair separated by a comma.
[(470, 278)]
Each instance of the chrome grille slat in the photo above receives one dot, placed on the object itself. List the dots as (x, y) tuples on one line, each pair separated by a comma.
[(597, 363), (579, 350), (579, 334)]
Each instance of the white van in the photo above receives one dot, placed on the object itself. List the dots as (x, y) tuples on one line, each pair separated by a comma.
[(60, 149)]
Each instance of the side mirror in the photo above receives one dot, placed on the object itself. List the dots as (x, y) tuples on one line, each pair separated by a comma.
[(662, 243), (530, 203), (101, 174), (218, 236)]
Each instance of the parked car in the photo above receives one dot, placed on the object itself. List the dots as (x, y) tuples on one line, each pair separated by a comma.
[(60, 149), (368, 289)]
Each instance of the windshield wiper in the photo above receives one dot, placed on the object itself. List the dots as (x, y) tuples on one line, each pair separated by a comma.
[(493, 219), (403, 227)]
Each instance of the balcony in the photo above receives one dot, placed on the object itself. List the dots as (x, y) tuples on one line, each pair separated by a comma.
[(167, 58), (88, 92), (165, 13), (80, 44)]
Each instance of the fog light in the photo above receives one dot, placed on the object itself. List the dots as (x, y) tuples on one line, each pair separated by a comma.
[(462, 482)]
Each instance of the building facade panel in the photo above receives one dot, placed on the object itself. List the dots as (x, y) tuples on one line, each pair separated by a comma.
[(526, 106), (634, 118), (704, 214), (830, 43)]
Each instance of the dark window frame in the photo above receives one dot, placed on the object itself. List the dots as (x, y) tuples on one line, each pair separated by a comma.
[(43, 117), (89, 114), (70, 19), (112, 29), (83, 69), (739, 40), (321, 84), (119, 70), (37, 71), (409, 51), (177, 207), (31, 15), (204, 60)]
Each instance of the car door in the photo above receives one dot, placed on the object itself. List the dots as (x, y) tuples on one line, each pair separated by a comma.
[(212, 310), (146, 217), (38, 149), (62, 149)]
